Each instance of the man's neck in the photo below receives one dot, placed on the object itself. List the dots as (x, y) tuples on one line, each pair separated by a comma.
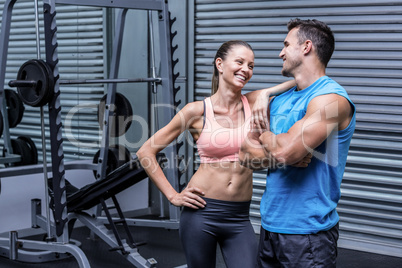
[(304, 80)]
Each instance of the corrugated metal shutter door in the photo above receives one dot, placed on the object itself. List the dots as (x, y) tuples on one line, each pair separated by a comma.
[(81, 55), (367, 62)]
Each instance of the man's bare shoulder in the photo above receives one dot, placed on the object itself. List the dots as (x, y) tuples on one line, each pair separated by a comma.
[(334, 106), (324, 100)]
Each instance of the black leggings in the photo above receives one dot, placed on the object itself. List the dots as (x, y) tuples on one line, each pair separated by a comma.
[(223, 222)]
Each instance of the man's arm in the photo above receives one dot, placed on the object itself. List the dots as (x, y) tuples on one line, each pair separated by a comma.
[(325, 114), (252, 153)]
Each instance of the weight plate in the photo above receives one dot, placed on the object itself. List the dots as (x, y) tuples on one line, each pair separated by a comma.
[(41, 93), (120, 119), (15, 108), (27, 158), (50, 91), (121, 154), (32, 149), (117, 156), (19, 148)]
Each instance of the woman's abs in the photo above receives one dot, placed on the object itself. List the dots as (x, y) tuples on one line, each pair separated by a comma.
[(224, 181)]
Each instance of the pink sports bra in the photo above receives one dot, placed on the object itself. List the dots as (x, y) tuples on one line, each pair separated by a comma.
[(217, 143)]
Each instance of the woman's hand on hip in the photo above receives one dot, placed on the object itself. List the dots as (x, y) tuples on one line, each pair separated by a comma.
[(189, 197)]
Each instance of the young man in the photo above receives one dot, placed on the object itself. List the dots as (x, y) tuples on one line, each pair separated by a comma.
[(299, 222)]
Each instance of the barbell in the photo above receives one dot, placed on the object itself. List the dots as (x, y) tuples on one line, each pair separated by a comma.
[(35, 82)]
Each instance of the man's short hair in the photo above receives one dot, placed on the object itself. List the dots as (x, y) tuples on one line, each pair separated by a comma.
[(319, 33)]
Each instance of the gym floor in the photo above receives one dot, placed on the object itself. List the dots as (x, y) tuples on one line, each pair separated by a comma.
[(164, 245)]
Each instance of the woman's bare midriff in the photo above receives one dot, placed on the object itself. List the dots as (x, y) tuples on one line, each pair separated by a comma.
[(227, 181)]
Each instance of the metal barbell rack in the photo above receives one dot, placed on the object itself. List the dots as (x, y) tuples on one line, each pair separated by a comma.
[(165, 82)]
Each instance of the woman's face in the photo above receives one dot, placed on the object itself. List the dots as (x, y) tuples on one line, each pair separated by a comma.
[(237, 68)]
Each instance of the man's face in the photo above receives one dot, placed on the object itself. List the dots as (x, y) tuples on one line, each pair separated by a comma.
[(291, 54)]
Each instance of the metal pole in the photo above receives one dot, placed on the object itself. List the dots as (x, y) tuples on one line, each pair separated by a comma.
[(42, 119), (154, 94), (34, 83), (13, 245), (111, 81)]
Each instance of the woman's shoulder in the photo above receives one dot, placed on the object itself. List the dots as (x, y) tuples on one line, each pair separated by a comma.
[(195, 108), (251, 97), (192, 114)]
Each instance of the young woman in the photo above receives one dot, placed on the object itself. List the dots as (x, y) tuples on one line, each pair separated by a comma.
[(217, 199)]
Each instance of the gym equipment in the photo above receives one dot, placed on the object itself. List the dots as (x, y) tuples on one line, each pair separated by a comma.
[(63, 218), (119, 121), (1, 124), (119, 179), (25, 147), (180, 157), (34, 83), (15, 107), (20, 149), (116, 181), (33, 151), (78, 200), (115, 158)]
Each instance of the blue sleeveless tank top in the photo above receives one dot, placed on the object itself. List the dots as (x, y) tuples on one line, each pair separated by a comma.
[(304, 200)]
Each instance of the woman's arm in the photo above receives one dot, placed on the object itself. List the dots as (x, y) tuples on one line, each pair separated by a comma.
[(190, 196), (259, 101), (252, 153)]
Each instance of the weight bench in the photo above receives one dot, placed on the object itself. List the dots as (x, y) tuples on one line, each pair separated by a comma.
[(79, 200), (116, 181), (97, 193)]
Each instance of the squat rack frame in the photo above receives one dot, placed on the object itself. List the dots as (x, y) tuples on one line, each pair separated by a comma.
[(165, 81)]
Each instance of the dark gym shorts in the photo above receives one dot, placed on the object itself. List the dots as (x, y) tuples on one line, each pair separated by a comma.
[(298, 251)]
